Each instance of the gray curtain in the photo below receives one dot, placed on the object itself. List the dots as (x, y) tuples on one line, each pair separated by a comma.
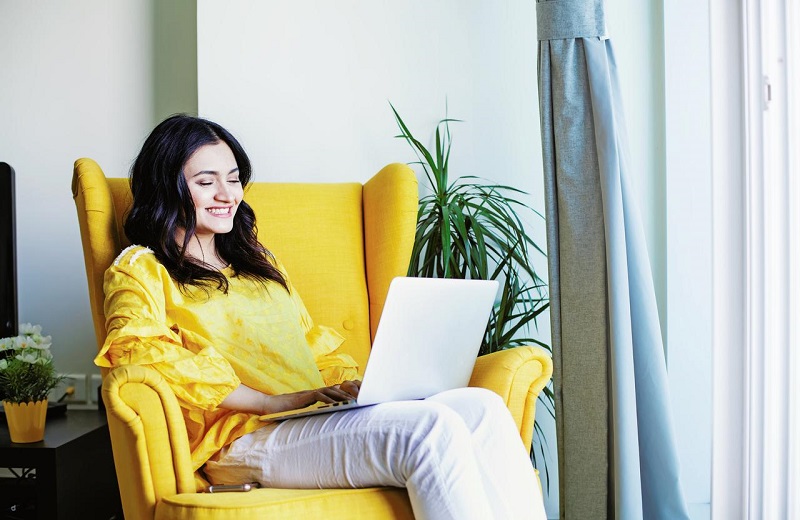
[(615, 440)]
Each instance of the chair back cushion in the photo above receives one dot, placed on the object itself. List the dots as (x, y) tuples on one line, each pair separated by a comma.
[(316, 230)]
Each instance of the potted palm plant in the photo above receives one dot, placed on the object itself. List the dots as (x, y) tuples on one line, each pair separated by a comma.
[(472, 228)]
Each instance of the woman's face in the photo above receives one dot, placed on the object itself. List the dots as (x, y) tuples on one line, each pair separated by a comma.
[(213, 179)]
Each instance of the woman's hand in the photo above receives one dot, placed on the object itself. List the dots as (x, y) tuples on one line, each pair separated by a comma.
[(245, 399), (327, 394), (351, 387)]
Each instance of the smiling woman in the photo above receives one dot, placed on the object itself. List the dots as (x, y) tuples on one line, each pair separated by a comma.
[(213, 179), (248, 347), (203, 225)]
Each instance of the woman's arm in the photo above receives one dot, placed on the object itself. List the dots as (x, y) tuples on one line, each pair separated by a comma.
[(139, 333), (246, 399)]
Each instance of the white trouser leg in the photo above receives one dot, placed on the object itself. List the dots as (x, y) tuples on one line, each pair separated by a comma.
[(508, 477), (458, 454), (423, 446)]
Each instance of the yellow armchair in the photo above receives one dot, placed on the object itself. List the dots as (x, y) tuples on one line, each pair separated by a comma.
[(342, 244)]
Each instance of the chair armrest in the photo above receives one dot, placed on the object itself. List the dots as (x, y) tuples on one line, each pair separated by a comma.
[(517, 375), (148, 438)]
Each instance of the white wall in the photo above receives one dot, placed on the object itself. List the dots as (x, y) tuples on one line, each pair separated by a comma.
[(306, 86), (689, 238), (76, 82), (79, 79), (309, 88)]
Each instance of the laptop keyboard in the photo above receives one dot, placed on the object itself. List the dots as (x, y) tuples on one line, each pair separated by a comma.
[(337, 403)]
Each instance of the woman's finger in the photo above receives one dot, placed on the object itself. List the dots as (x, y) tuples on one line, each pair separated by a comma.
[(335, 393), (350, 387), (322, 397)]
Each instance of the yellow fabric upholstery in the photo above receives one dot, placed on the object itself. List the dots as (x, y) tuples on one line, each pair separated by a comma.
[(316, 231), (151, 450), (388, 233), (517, 375), (332, 504), (342, 245)]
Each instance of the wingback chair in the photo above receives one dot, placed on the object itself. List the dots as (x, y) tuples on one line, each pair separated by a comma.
[(342, 244)]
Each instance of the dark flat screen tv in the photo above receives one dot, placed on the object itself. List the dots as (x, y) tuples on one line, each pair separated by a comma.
[(8, 254)]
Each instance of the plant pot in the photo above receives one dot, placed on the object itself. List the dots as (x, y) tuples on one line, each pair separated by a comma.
[(26, 420)]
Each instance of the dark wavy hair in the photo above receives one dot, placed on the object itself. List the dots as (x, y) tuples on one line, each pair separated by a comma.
[(162, 204)]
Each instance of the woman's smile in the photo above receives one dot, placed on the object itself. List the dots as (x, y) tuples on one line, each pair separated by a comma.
[(221, 212), (213, 179)]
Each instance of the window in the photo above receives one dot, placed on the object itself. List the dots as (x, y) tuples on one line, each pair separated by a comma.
[(756, 259)]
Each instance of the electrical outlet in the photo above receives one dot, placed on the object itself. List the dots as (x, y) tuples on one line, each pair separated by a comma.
[(76, 381), (95, 380)]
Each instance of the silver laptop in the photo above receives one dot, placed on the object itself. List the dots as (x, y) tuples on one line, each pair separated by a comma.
[(427, 342)]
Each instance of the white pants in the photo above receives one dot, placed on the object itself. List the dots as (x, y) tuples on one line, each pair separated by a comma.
[(458, 453)]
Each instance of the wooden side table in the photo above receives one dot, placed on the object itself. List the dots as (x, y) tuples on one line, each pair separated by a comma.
[(68, 475)]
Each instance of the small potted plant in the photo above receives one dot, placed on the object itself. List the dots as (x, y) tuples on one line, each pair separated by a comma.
[(26, 377)]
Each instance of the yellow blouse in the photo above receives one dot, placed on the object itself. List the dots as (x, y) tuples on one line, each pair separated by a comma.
[(205, 343)]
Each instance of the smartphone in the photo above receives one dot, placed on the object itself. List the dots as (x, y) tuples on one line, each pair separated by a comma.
[(223, 488)]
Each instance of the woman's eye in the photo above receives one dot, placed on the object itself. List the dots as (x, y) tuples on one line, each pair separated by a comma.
[(234, 181), (205, 183)]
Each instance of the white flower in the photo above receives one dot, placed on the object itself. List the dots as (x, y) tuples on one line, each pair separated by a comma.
[(40, 342), (29, 347), (27, 357), (26, 329), (25, 342), (7, 344), (3, 364)]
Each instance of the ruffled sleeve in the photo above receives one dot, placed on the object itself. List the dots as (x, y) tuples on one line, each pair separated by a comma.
[(139, 333), (335, 366)]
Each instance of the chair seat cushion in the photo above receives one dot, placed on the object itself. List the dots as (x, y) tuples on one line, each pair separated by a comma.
[(290, 504)]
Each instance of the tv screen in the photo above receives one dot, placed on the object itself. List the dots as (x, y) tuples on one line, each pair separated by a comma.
[(8, 254)]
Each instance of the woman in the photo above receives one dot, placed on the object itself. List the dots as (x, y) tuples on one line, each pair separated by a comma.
[(202, 302)]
